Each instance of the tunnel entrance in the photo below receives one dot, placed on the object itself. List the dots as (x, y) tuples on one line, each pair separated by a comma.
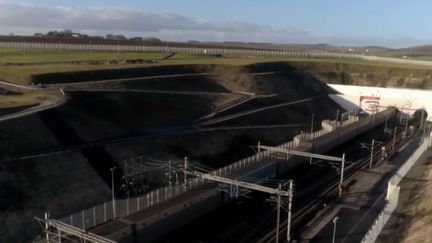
[(419, 116)]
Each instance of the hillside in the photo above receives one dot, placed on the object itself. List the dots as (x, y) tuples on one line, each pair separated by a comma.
[(155, 112)]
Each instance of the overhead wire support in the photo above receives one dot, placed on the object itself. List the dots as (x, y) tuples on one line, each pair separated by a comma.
[(62, 230), (313, 155), (279, 192), (300, 153), (248, 185)]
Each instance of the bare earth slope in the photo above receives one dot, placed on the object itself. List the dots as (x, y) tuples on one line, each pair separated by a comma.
[(412, 219)]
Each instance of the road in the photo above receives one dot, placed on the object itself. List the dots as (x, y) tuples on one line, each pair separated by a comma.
[(148, 91), (179, 75), (44, 105), (26, 87), (136, 137), (249, 112)]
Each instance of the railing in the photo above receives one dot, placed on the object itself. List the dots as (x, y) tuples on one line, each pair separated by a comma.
[(393, 193), (104, 212)]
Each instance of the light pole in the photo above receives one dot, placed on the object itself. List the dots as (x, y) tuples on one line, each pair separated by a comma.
[(371, 153), (394, 140), (337, 115), (342, 175), (291, 191), (278, 213), (385, 124), (311, 133), (335, 219), (406, 126), (169, 174), (112, 189), (312, 124)]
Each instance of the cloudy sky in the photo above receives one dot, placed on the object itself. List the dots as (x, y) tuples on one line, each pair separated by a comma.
[(392, 23)]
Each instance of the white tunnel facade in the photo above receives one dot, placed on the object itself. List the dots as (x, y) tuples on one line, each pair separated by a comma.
[(374, 99)]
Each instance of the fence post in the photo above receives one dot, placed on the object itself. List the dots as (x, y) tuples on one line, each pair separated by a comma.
[(94, 216), (105, 212), (83, 219), (127, 206)]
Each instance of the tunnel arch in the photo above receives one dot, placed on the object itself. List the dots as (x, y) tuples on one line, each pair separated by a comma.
[(419, 114)]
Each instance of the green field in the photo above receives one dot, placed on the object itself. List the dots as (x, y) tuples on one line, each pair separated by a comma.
[(49, 56), (18, 65)]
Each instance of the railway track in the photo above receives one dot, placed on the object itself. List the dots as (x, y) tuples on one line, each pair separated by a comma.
[(308, 207)]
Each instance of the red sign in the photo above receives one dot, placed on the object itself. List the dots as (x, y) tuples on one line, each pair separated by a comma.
[(370, 103)]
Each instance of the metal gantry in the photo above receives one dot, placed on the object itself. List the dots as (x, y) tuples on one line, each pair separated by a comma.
[(311, 155), (274, 191), (56, 230)]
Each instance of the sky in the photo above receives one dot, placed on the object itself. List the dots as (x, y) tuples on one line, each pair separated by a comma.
[(390, 23)]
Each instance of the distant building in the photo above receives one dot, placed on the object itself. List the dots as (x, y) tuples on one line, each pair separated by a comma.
[(115, 37), (193, 42), (136, 39)]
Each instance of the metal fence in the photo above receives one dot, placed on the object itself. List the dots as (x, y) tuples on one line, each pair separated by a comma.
[(393, 193), (212, 51), (122, 207), (105, 212)]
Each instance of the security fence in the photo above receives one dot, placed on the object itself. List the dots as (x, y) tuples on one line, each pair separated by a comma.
[(211, 51)]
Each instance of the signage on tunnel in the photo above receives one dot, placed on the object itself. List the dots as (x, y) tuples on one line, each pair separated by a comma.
[(370, 103)]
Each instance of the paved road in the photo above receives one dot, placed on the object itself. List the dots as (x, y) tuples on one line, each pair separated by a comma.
[(152, 77), (249, 112), (29, 111), (18, 85), (42, 106), (148, 91)]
